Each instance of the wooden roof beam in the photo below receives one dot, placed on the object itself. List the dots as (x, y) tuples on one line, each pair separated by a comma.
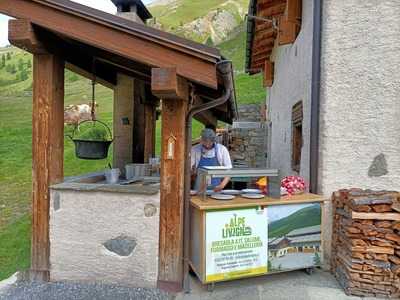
[(261, 56), (206, 117), (264, 26), (22, 35), (274, 8), (263, 43), (167, 84)]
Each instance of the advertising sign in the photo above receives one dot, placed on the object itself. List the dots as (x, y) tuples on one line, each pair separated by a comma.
[(236, 243)]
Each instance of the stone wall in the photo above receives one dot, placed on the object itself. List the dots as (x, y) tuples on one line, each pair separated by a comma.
[(104, 237), (247, 141)]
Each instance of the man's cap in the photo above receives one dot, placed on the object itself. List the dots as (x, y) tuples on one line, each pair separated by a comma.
[(208, 134)]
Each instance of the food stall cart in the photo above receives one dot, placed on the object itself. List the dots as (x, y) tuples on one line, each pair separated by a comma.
[(243, 237)]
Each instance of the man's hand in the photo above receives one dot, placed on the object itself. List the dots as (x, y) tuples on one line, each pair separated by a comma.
[(218, 188)]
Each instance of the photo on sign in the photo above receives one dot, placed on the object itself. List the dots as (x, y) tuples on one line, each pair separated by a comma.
[(294, 240)]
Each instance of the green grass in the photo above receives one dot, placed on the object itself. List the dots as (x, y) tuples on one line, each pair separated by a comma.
[(15, 241), (249, 89), (308, 216)]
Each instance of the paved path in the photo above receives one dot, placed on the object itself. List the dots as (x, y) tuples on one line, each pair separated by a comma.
[(295, 285), (61, 291)]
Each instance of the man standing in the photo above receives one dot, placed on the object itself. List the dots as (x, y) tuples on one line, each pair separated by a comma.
[(210, 154)]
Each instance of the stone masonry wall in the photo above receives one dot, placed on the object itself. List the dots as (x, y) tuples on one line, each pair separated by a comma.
[(247, 146), (104, 237)]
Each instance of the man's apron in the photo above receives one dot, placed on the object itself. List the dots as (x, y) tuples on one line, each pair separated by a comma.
[(208, 162)]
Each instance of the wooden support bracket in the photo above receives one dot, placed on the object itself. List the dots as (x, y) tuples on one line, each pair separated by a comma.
[(22, 35), (268, 73), (167, 84)]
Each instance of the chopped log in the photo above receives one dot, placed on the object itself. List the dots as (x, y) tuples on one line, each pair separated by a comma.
[(383, 224), (353, 230), (365, 242), (394, 259), (358, 242), (372, 200), (362, 208), (393, 237), (396, 226), (376, 216), (382, 208), (396, 206)]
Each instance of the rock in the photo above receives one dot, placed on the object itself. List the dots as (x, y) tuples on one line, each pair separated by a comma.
[(378, 167), (150, 210), (121, 245)]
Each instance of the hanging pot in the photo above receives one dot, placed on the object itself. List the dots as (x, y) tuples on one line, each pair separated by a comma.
[(91, 149)]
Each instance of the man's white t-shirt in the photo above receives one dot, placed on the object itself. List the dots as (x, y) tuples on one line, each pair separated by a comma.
[(223, 156)]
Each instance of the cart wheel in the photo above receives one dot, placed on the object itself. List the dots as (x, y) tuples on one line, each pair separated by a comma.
[(210, 287), (310, 271)]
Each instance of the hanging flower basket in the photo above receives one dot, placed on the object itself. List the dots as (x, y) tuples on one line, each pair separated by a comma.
[(92, 143)]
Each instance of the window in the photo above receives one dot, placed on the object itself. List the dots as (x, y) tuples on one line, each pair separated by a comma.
[(297, 135)]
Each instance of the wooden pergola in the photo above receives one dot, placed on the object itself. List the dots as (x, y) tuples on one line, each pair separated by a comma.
[(183, 74)]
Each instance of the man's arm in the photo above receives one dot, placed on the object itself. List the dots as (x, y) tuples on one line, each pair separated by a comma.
[(226, 162)]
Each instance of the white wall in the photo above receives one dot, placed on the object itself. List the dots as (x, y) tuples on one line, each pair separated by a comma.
[(81, 222), (360, 94), (292, 83)]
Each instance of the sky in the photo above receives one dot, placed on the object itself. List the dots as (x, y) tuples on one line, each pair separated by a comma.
[(105, 5)]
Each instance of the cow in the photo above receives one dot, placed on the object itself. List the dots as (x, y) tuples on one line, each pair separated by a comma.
[(76, 113)]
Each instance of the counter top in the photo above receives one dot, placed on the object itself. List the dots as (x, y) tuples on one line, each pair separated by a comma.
[(95, 182), (240, 202), (111, 188)]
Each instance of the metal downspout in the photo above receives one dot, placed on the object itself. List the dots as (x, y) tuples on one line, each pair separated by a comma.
[(225, 69), (315, 95)]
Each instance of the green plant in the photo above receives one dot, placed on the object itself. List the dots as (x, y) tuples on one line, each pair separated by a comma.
[(317, 259), (92, 133), (20, 64)]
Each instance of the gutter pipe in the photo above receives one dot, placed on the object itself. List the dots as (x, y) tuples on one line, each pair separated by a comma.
[(315, 95), (224, 68)]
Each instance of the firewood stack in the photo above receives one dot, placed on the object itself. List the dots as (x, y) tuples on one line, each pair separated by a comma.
[(366, 242)]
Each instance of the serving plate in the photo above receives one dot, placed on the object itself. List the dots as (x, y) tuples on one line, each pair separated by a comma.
[(251, 191), (253, 196), (231, 192), (222, 197), (210, 192)]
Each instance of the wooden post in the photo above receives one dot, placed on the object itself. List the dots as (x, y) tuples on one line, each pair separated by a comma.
[(123, 121), (150, 132), (47, 152), (139, 123), (173, 91), (150, 124)]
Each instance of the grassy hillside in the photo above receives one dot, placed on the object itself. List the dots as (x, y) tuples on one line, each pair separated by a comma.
[(172, 16), (308, 216), (249, 89)]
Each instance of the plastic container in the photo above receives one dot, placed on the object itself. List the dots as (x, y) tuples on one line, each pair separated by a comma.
[(112, 176), (137, 170)]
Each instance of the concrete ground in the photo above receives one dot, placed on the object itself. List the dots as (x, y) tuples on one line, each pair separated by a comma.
[(295, 285)]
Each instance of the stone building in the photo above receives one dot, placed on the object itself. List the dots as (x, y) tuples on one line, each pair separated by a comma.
[(331, 73)]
